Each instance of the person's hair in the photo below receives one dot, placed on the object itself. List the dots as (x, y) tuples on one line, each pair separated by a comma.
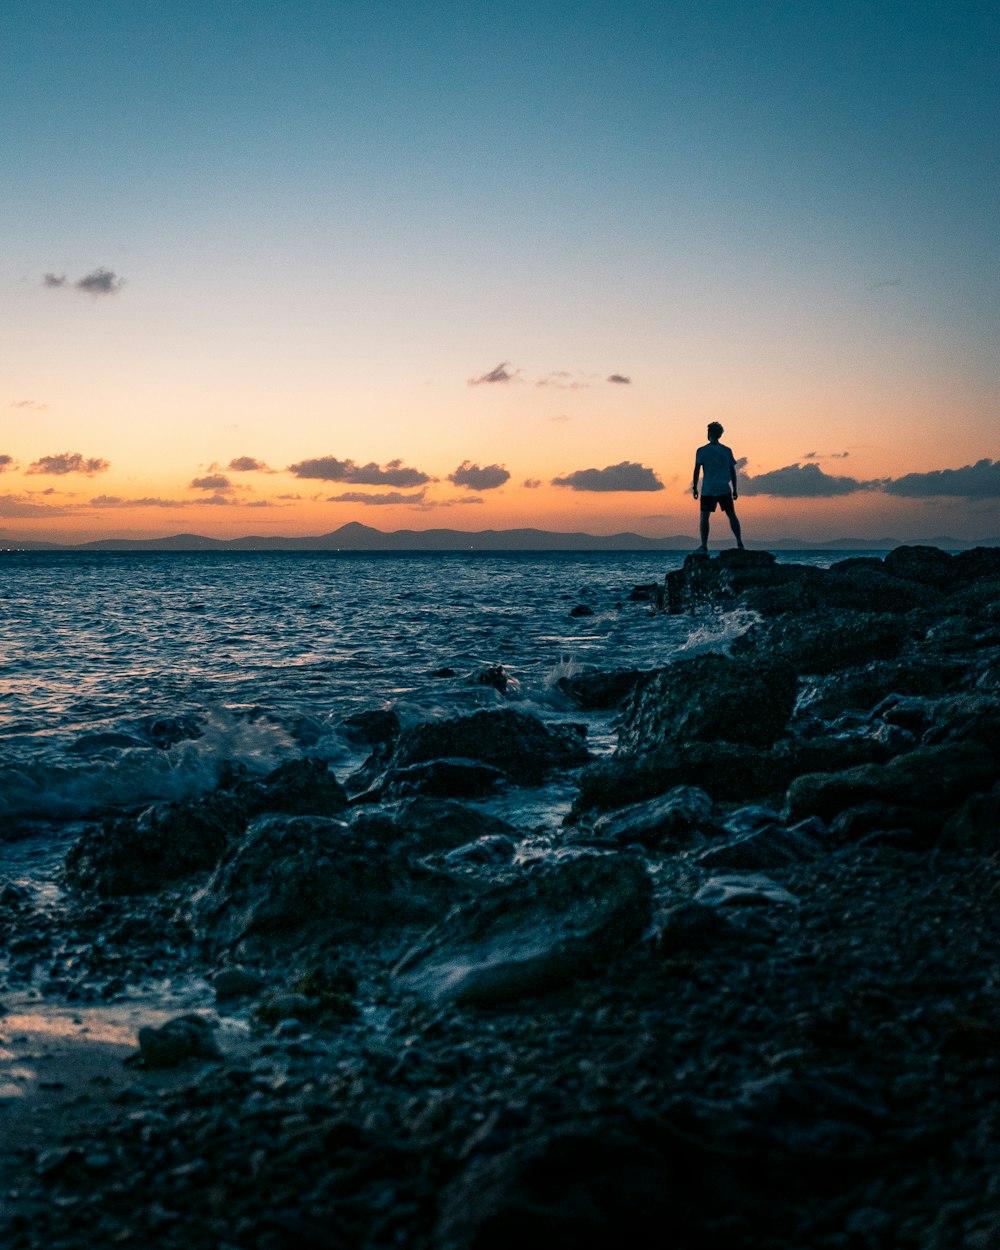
[(715, 428)]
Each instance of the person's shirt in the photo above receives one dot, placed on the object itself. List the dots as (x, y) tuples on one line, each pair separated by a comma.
[(718, 463)]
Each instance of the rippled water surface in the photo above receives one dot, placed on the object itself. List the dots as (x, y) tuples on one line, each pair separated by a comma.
[(266, 652)]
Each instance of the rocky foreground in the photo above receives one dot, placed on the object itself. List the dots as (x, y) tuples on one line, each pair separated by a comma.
[(746, 996)]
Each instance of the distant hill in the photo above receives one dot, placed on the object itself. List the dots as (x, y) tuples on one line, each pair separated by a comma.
[(357, 537)]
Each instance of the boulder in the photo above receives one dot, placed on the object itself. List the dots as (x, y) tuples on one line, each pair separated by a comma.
[(292, 877), (447, 778), (928, 565), (302, 787), (825, 641), (676, 818), (744, 889), (928, 776), (710, 698), (772, 845), (599, 691), (535, 933), (975, 826), (521, 746), (183, 1037)]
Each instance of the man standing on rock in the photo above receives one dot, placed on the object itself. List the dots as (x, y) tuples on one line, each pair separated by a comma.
[(718, 484)]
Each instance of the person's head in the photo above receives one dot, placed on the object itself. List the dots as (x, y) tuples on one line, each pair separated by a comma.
[(715, 431)]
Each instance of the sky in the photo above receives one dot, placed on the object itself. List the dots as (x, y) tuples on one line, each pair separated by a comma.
[(271, 268)]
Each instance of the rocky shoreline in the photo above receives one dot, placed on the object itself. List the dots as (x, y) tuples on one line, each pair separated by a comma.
[(746, 995)]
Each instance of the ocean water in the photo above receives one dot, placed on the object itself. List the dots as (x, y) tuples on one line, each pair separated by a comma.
[(131, 677)]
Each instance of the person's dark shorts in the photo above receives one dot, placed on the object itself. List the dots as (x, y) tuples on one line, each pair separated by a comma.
[(725, 502)]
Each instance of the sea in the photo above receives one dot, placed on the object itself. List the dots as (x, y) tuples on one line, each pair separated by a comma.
[(128, 678)]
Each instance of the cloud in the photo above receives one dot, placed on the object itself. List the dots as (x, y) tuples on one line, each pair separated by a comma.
[(51, 280), (811, 455), (69, 462), (116, 501), (5, 463), (620, 379), (532, 483), (28, 403), (16, 507), (391, 497), (500, 373), (479, 478), (562, 379), (973, 481), (100, 282), (800, 481), (560, 419), (248, 464), (330, 469), (429, 504), (214, 481), (624, 476), (839, 455)]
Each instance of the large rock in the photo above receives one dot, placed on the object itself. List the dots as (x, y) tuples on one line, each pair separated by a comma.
[(823, 642), (710, 698), (682, 814), (597, 691), (928, 565), (540, 931), (292, 877), (302, 787), (929, 776), (521, 746)]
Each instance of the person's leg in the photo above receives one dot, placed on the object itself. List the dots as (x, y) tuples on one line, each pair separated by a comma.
[(734, 521), (704, 529)]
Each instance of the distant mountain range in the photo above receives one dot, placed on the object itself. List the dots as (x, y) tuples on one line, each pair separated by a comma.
[(356, 537)]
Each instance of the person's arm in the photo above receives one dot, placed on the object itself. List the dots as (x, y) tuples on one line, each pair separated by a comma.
[(694, 480), (732, 478)]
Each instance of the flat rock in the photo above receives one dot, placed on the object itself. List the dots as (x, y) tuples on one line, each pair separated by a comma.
[(743, 889), (540, 931)]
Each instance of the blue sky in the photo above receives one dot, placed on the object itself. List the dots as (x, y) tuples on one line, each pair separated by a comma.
[(327, 217)]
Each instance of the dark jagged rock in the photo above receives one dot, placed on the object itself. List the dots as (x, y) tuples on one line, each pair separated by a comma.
[(184, 1037), (770, 845), (928, 565), (825, 641), (597, 691), (440, 825), (533, 934), (709, 698), (521, 746), (933, 776), (582, 609), (302, 787), (454, 778), (166, 731), (677, 818), (166, 843), (374, 728), (975, 826), (292, 877)]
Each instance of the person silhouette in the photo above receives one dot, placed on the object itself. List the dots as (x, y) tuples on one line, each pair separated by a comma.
[(718, 464)]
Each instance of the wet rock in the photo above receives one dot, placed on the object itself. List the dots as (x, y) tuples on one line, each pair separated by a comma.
[(709, 698), (646, 592), (493, 849), (437, 824), (167, 842), (234, 983), (288, 1006), (528, 936), (682, 814), (581, 609), (928, 565), (976, 824), (599, 691), (770, 845), (929, 776), (302, 787), (98, 743), (521, 746), (444, 672), (294, 877), (374, 728), (693, 927), (823, 642), (494, 675), (165, 732), (584, 1187), (447, 778), (184, 1037), (858, 823), (744, 889)]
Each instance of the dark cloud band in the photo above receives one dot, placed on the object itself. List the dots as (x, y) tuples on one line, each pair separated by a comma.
[(616, 477)]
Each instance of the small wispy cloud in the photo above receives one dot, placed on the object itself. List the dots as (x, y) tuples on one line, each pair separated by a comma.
[(248, 464), (17, 507), (390, 498), (99, 282), (476, 477), (532, 483), (30, 404), (563, 380), (620, 379), (6, 462), (499, 373), (69, 462)]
